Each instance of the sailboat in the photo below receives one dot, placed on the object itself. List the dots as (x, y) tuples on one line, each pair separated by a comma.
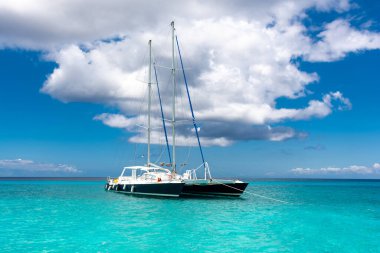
[(149, 179)]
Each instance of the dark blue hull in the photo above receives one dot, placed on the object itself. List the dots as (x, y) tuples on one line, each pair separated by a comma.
[(214, 189), (154, 189)]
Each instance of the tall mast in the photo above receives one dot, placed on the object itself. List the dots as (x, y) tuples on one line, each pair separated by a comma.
[(174, 95), (149, 98)]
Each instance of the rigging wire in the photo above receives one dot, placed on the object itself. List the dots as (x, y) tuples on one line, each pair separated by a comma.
[(191, 106), (160, 153), (162, 115), (186, 162), (137, 145)]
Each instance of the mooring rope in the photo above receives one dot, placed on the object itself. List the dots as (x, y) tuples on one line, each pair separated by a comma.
[(254, 194)]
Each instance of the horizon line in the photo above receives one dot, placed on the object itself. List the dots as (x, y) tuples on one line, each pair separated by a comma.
[(99, 178)]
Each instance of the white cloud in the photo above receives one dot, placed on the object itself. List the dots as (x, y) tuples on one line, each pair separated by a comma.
[(249, 92), (353, 169), (239, 58), (33, 166), (41, 24), (213, 133), (136, 124), (339, 38), (116, 120), (95, 76)]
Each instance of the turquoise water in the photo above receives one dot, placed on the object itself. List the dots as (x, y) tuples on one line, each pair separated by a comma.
[(79, 216)]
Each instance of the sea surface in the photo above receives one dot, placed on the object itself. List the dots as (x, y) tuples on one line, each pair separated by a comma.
[(79, 216)]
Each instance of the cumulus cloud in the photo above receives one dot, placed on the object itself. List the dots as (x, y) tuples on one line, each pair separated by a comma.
[(33, 166), (212, 133), (339, 38), (239, 59), (42, 24), (353, 169)]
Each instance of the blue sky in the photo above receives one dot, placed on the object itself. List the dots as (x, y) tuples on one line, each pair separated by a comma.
[(285, 89)]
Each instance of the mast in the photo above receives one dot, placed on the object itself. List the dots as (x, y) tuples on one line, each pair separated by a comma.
[(149, 98), (174, 95)]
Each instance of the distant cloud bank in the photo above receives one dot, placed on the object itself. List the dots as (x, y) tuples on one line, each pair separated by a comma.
[(36, 168), (353, 169)]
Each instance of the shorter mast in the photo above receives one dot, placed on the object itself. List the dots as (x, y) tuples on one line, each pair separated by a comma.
[(174, 95), (149, 98)]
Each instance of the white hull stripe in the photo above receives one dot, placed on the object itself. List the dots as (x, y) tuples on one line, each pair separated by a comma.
[(150, 194), (211, 194)]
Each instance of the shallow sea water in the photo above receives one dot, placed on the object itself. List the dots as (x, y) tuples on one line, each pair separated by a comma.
[(79, 216)]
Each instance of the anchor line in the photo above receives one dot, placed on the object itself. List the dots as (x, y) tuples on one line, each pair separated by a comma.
[(254, 194)]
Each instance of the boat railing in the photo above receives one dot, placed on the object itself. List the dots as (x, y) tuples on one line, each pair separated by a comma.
[(192, 174), (114, 180)]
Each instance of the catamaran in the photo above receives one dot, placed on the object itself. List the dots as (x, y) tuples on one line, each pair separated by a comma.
[(159, 181)]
